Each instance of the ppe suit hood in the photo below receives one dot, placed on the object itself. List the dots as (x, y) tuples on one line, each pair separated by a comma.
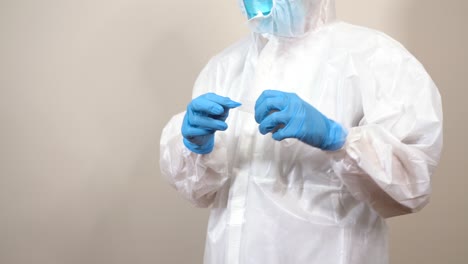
[(292, 18)]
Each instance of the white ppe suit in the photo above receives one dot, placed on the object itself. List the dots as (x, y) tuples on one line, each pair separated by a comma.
[(285, 202)]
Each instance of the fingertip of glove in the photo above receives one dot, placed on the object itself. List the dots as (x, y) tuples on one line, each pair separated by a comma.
[(224, 127), (233, 104)]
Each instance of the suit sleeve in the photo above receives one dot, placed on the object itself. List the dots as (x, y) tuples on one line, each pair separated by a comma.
[(196, 177), (389, 158)]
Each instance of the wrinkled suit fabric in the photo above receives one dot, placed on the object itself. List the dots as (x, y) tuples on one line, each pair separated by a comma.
[(280, 202)]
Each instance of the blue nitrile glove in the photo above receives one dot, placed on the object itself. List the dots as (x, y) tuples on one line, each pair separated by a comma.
[(205, 115), (286, 115)]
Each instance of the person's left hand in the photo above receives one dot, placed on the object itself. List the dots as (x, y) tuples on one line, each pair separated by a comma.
[(286, 115)]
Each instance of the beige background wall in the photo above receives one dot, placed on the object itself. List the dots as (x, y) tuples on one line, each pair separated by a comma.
[(87, 85)]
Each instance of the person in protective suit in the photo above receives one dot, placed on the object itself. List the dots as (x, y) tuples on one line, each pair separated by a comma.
[(303, 138)]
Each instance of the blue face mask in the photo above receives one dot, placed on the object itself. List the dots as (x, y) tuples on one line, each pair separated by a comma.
[(254, 7), (285, 18)]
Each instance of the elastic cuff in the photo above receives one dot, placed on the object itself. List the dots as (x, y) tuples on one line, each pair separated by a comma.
[(336, 138), (202, 150)]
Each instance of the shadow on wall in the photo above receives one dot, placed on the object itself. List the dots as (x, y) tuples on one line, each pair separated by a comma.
[(436, 34)]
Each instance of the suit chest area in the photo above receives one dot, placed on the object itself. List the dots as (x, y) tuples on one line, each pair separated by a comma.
[(320, 76), (321, 79)]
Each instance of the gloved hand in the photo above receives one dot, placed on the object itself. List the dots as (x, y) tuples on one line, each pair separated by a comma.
[(286, 115), (205, 115)]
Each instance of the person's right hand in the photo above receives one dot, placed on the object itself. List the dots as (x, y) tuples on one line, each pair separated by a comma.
[(205, 115)]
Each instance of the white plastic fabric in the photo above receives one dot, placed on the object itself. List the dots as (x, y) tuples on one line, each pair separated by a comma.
[(287, 202)]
